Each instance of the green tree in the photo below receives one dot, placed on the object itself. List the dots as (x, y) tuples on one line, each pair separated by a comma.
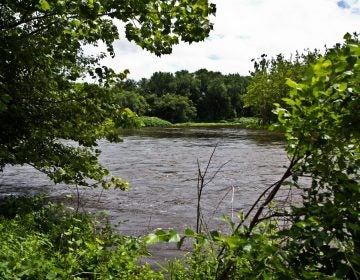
[(134, 101), (212, 91), (174, 108), (217, 101), (214, 95), (126, 95), (41, 58), (128, 85), (236, 88), (187, 85), (268, 85), (161, 83)]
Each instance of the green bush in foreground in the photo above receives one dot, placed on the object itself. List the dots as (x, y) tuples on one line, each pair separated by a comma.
[(44, 241), (41, 240)]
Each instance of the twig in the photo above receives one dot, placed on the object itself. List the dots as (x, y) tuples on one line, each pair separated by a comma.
[(232, 202), (78, 198), (216, 172), (256, 219), (200, 187), (221, 200)]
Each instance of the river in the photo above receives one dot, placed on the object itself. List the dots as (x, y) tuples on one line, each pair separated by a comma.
[(161, 167)]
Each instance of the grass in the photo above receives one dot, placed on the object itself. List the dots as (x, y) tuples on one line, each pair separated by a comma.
[(248, 122)]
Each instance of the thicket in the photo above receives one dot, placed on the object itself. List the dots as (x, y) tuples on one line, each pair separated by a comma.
[(43, 240), (154, 122)]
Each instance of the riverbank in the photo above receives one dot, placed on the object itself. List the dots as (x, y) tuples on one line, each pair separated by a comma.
[(246, 122)]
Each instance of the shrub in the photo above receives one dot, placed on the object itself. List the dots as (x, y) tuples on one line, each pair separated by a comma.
[(154, 122), (55, 243)]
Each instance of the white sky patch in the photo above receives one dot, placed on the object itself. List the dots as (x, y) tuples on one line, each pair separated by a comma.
[(245, 29)]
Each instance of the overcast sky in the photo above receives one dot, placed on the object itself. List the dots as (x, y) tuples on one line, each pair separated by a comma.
[(245, 29)]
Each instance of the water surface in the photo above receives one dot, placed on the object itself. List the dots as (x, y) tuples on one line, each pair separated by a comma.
[(161, 165)]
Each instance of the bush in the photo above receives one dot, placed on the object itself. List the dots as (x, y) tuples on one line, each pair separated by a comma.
[(54, 243), (154, 122)]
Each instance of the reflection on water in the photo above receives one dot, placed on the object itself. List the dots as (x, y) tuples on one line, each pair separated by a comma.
[(161, 166)]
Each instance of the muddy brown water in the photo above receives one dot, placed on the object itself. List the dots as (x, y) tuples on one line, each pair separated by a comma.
[(161, 167)]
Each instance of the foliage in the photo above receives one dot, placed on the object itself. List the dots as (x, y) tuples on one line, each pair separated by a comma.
[(236, 88), (154, 122), (322, 128), (258, 257), (249, 122), (48, 242), (268, 83), (186, 84), (220, 95), (216, 103), (214, 96), (174, 108), (41, 44), (160, 83), (132, 100)]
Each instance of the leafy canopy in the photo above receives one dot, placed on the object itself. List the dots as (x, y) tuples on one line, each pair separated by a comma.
[(42, 106), (268, 85)]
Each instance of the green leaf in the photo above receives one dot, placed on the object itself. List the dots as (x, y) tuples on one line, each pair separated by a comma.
[(352, 59), (151, 238), (301, 224), (44, 5), (289, 101), (291, 83), (173, 236), (189, 232), (341, 87)]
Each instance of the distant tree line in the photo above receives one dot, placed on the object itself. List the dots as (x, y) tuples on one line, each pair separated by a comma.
[(211, 96), (183, 96)]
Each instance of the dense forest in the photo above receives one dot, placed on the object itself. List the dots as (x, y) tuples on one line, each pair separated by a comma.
[(312, 98), (183, 96), (211, 96)]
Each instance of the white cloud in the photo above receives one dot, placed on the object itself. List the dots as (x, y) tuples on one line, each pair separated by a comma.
[(244, 29)]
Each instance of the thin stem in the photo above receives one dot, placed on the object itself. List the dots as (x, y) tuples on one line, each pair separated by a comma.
[(256, 219)]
